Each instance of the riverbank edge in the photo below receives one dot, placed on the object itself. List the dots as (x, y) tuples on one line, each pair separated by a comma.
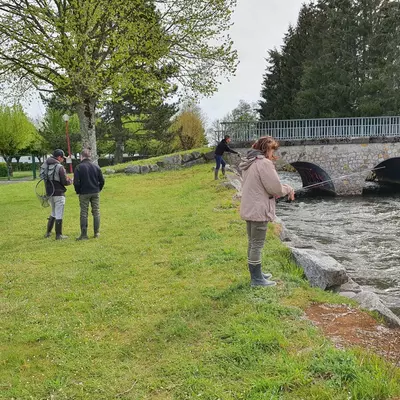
[(322, 270)]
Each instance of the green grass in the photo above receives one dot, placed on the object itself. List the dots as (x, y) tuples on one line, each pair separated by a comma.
[(160, 306), (19, 175)]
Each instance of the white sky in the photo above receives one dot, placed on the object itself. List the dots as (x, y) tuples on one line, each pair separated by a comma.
[(259, 25)]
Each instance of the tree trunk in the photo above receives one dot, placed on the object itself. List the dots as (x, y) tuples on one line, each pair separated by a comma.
[(17, 158), (9, 166), (119, 151), (87, 118), (119, 134)]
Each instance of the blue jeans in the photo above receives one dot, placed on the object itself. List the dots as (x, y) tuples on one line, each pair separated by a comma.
[(219, 161)]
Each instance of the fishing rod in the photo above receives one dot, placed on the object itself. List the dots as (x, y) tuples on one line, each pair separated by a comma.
[(338, 178)]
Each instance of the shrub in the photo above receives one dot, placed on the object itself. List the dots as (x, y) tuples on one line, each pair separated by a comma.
[(3, 169)]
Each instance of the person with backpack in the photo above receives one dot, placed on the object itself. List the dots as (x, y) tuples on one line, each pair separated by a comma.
[(222, 147), (56, 180)]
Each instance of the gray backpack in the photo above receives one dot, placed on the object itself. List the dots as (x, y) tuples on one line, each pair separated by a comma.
[(48, 172)]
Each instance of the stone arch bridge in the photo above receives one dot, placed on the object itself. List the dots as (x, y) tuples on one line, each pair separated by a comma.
[(342, 164), (340, 152)]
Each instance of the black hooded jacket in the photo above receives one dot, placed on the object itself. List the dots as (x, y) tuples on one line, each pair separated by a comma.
[(222, 147), (88, 178)]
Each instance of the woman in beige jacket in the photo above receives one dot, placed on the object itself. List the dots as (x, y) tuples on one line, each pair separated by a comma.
[(261, 185)]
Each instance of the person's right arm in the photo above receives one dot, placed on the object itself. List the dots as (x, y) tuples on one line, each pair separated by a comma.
[(271, 182), (64, 180), (77, 181), (101, 179), (229, 150)]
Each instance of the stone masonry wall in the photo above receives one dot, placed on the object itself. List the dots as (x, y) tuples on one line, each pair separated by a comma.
[(167, 163), (339, 159)]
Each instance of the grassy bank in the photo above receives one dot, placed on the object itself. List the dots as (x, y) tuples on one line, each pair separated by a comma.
[(160, 306), (154, 160), (19, 175)]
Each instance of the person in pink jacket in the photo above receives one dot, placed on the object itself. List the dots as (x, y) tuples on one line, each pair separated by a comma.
[(261, 186)]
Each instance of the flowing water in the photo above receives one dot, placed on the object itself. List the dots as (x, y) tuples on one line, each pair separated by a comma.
[(362, 233)]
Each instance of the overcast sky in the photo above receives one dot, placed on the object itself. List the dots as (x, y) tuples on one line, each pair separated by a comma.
[(259, 25)]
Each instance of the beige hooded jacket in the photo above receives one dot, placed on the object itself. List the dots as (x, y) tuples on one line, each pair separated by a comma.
[(261, 185)]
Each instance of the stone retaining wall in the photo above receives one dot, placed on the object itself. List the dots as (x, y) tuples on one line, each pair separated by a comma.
[(318, 161), (174, 161)]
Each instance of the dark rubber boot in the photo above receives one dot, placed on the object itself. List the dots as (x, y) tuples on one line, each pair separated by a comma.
[(83, 235), (84, 225), (216, 174), (257, 278), (50, 225), (223, 171), (59, 235), (96, 226)]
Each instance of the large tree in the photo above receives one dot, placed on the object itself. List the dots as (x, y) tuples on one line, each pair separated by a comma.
[(89, 49), (53, 131), (16, 132), (329, 77), (188, 127), (124, 127), (135, 110), (283, 76), (340, 60)]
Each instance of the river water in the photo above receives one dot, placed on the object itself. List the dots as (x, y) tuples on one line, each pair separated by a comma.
[(361, 232)]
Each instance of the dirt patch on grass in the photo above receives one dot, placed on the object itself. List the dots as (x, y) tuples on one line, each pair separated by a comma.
[(347, 326)]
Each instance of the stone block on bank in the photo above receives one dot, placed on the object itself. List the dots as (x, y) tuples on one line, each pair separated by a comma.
[(285, 235), (233, 182), (209, 156), (350, 286), (154, 167), (349, 295), (187, 157), (196, 155), (176, 159), (321, 270), (132, 169), (194, 162), (109, 171), (144, 169), (370, 301)]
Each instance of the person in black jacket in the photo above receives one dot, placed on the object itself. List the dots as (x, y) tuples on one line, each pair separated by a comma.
[(55, 177), (88, 183), (219, 152)]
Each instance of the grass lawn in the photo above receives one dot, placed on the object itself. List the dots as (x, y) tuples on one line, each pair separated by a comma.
[(19, 175), (160, 306)]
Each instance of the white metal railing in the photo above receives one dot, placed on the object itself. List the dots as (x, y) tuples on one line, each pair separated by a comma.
[(301, 129)]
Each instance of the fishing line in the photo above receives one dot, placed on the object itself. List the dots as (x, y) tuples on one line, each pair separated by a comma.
[(339, 177)]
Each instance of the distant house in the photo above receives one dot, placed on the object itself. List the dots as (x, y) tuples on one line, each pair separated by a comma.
[(23, 159)]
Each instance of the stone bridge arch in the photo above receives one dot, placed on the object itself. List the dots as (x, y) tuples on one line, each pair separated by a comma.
[(388, 171), (312, 175)]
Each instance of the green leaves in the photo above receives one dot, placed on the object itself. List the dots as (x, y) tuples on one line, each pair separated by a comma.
[(16, 131), (341, 59), (89, 50)]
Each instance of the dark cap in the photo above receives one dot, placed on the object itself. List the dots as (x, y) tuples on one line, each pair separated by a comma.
[(58, 153)]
